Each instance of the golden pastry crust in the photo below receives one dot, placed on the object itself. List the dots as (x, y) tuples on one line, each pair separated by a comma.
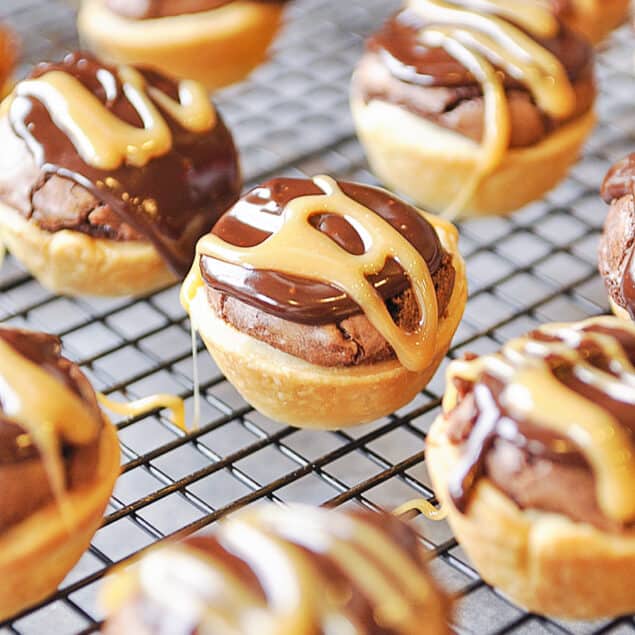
[(72, 263), (619, 311), (294, 391), (217, 47), (542, 561), (431, 164), (595, 19), (37, 553)]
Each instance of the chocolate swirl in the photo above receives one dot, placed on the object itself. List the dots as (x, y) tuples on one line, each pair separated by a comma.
[(562, 394), (25, 479), (259, 214), (302, 570), (171, 196)]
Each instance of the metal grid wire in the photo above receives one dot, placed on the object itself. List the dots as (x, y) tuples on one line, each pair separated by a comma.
[(292, 118)]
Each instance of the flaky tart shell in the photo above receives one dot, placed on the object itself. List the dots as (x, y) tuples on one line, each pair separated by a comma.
[(595, 19), (431, 164), (544, 562), (619, 311), (217, 47), (293, 391), (37, 553), (73, 263)]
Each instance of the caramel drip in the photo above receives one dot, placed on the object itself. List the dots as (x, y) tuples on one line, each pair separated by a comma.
[(472, 32), (147, 404), (423, 507), (102, 139), (48, 410), (532, 392), (316, 571), (299, 249)]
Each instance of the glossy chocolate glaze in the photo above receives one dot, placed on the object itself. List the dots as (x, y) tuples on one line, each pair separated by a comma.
[(149, 9), (398, 45), (492, 422), (301, 300), (618, 182), (173, 199), (45, 351)]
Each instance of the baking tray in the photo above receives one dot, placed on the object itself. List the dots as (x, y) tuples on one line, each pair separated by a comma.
[(292, 118)]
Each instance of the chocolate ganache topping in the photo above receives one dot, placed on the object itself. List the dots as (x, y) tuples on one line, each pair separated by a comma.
[(28, 459), (550, 420), (150, 9), (153, 150), (617, 268), (400, 46), (355, 572), (259, 214)]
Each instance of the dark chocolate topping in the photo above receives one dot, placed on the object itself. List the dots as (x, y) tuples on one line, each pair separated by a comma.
[(45, 351), (254, 218), (490, 423), (398, 44), (173, 199)]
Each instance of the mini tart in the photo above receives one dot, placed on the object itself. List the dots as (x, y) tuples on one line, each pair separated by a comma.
[(54, 488), (349, 572), (217, 47), (535, 464), (288, 337), (595, 19), (103, 196), (464, 146), (615, 257)]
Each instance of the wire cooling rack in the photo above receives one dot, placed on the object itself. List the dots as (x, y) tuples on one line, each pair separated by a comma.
[(292, 118)]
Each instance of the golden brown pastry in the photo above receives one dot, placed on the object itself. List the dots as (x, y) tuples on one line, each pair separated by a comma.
[(534, 460), (595, 19), (217, 42), (472, 113), (615, 256), (110, 175), (59, 458), (314, 292), (283, 571), (8, 55)]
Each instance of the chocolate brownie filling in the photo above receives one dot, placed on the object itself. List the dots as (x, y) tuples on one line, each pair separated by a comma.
[(309, 319), (169, 200), (428, 82), (150, 9), (24, 480), (615, 258), (534, 466)]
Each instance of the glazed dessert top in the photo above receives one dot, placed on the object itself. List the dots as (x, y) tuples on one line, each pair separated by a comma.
[(619, 180), (293, 570), (46, 403), (153, 150), (565, 393), (149, 9), (317, 251), (415, 44)]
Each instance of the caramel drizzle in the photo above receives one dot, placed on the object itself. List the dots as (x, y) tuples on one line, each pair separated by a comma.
[(533, 393), (277, 544), (299, 249), (483, 41), (48, 410), (102, 139), (142, 406)]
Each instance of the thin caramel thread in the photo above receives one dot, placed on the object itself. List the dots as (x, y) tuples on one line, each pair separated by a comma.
[(301, 250), (422, 506), (173, 403), (533, 393), (48, 411), (480, 40), (101, 138)]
